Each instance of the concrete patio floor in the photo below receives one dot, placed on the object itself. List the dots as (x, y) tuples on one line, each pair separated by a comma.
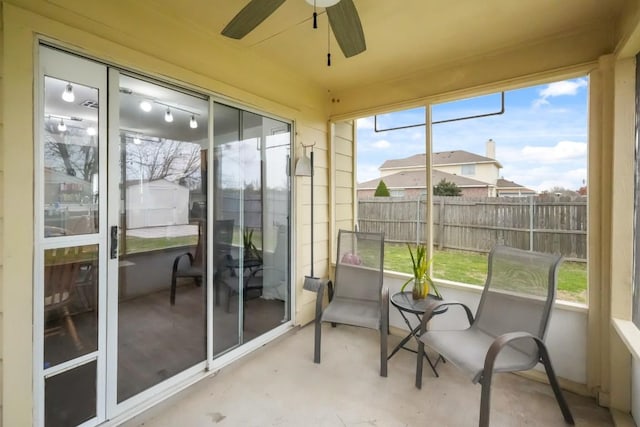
[(279, 385)]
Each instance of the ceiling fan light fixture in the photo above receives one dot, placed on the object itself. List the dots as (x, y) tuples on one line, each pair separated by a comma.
[(91, 131), (322, 3), (61, 126), (68, 95), (193, 124)]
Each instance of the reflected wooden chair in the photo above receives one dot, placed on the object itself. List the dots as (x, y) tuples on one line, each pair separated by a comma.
[(189, 265), (509, 329), (61, 274)]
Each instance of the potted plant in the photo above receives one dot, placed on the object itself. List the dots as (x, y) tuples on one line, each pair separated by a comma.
[(422, 282), (250, 249)]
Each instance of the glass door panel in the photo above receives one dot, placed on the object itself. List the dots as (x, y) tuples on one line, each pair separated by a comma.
[(70, 303), (69, 288), (70, 158), (162, 277), (251, 188)]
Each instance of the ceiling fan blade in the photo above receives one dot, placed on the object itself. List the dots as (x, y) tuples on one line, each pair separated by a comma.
[(250, 17), (347, 28)]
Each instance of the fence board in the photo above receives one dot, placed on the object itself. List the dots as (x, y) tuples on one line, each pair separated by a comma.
[(556, 225)]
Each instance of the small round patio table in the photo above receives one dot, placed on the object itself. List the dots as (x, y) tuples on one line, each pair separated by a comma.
[(406, 305)]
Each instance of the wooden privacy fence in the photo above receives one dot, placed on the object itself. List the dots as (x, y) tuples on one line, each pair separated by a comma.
[(543, 223)]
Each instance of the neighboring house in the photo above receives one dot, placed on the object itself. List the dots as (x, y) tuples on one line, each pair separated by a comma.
[(412, 184), (476, 175), (506, 188)]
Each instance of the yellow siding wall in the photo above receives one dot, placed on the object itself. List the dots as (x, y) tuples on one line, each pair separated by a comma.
[(1, 212), (344, 149)]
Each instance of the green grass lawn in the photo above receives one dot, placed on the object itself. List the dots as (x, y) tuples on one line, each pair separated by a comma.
[(457, 266), (471, 268), (143, 244)]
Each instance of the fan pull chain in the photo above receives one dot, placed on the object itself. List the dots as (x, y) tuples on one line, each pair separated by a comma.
[(315, 16), (328, 46)]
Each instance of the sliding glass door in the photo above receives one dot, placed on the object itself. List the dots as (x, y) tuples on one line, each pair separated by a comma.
[(160, 183), (162, 238), (252, 194)]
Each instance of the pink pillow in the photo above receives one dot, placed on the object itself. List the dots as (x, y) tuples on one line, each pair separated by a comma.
[(350, 258)]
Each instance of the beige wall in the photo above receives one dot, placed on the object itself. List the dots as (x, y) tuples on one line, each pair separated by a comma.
[(1, 215), (485, 172)]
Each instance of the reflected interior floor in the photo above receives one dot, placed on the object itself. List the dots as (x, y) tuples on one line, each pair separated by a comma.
[(157, 340)]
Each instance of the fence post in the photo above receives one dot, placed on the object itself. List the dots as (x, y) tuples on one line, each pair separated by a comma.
[(441, 239), (418, 221), (531, 211)]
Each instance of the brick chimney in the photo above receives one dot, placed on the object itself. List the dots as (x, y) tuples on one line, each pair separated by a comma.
[(491, 149)]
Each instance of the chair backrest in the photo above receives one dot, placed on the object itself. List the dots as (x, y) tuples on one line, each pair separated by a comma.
[(518, 295), (359, 265), (61, 272)]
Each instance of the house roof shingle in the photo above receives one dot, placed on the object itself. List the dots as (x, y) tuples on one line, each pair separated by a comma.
[(417, 179), (440, 158)]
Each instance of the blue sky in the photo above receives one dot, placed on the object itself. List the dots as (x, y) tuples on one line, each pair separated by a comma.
[(541, 139)]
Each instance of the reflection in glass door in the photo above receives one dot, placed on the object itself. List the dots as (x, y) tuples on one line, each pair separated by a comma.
[(162, 277), (251, 191)]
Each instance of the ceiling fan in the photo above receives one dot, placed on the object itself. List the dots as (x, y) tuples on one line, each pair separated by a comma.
[(343, 18)]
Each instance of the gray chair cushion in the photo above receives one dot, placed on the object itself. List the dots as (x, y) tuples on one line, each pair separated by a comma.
[(467, 349), (353, 312)]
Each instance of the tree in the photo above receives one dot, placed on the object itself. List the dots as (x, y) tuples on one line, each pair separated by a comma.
[(382, 190), (446, 188)]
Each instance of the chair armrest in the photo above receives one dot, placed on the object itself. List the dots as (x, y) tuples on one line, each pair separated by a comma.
[(428, 313), (176, 262), (317, 286), (501, 341)]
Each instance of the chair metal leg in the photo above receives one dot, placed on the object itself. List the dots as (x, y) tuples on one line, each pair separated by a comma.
[(419, 361), (316, 347), (172, 298), (485, 399), (546, 361), (383, 351)]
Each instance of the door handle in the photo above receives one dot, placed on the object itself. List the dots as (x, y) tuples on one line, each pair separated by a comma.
[(114, 242)]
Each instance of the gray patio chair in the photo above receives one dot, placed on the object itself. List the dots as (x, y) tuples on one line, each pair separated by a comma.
[(509, 329), (358, 297)]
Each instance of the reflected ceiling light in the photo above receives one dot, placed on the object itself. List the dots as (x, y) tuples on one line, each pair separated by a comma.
[(322, 3), (61, 126), (68, 95), (168, 117), (91, 131), (193, 124), (145, 106), (137, 141)]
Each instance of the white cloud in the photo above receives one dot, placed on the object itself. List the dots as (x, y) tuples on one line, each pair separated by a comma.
[(381, 144), (367, 172), (365, 123), (562, 151), (563, 88)]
